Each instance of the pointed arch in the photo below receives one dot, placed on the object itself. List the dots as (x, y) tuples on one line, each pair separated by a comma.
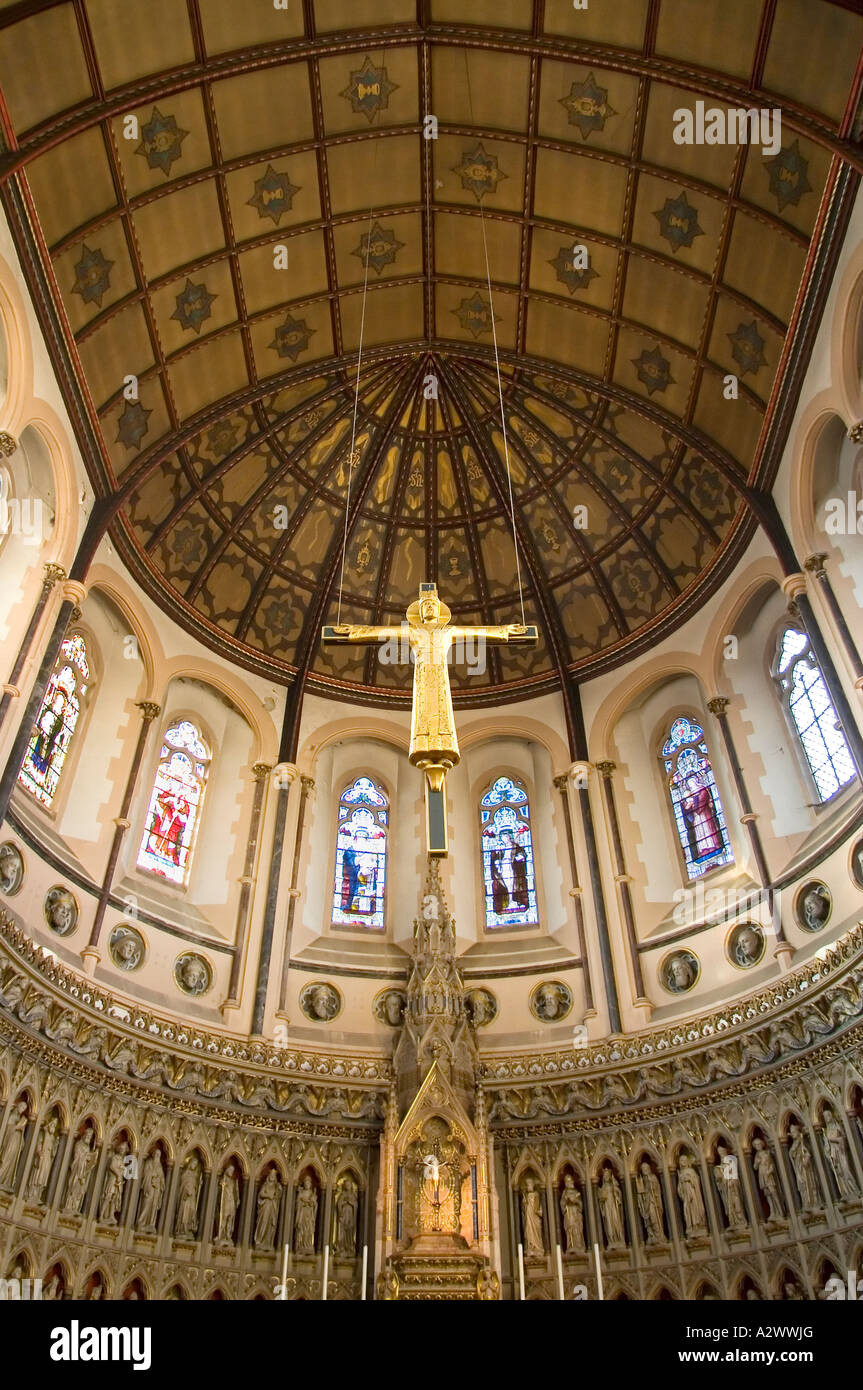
[(699, 818), (810, 713), (509, 877), (176, 799), (57, 721), (362, 844)]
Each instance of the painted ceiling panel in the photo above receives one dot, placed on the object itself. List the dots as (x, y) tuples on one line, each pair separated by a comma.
[(211, 225)]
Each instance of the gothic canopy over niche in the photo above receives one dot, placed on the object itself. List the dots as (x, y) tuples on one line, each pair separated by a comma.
[(211, 184)]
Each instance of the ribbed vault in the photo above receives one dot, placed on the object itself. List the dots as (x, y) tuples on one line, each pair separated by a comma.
[(205, 189)]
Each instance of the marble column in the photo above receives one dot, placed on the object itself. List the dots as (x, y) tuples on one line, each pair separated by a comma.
[(90, 954), (11, 691), (562, 784), (815, 566), (284, 774), (261, 772), (794, 588), (580, 775), (74, 593), (307, 785), (623, 880)]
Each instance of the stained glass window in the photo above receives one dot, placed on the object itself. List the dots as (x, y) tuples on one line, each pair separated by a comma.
[(507, 856), (698, 813), (361, 856), (175, 803), (52, 734), (806, 698)]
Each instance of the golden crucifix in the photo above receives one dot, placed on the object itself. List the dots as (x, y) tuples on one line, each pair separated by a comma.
[(434, 745)]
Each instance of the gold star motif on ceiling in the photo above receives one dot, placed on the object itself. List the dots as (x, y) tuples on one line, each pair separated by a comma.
[(369, 90), (479, 171)]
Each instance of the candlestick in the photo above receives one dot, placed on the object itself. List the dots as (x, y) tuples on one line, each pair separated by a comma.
[(521, 1271), (284, 1292), (326, 1271), (560, 1272), (365, 1270), (598, 1268)]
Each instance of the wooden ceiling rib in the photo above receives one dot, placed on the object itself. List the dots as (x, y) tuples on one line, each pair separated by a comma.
[(252, 134)]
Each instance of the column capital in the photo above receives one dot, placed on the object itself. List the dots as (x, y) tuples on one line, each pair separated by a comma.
[(855, 434), (149, 710), (307, 783), (794, 584), (814, 564), (718, 704), (284, 774), (606, 768), (261, 770), (8, 444), (74, 591), (54, 574), (560, 781)]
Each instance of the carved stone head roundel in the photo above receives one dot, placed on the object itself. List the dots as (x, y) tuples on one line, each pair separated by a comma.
[(127, 947), (11, 869), (192, 973), (550, 1001), (813, 906), (61, 910), (483, 1007), (320, 1002), (389, 1007), (679, 971), (745, 945)]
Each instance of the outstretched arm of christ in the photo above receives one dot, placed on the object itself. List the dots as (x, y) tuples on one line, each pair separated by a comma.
[(359, 634), (505, 632)]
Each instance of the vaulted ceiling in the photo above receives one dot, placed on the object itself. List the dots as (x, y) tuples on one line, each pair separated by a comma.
[(226, 200)]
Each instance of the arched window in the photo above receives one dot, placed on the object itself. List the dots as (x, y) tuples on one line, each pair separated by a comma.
[(698, 813), (175, 803), (812, 715), (507, 856), (58, 717), (361, 856)]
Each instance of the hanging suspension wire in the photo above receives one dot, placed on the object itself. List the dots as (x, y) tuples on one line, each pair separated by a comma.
[(497, 366), (352, 455)]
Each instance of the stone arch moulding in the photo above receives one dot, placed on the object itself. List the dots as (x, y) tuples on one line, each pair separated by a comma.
[(19, 350), (818, 415), (763, 570), (241, 695), (358, 727), (845, 329), (661, 670)]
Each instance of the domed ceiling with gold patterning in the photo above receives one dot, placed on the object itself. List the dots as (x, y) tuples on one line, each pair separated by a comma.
[(200, 194)]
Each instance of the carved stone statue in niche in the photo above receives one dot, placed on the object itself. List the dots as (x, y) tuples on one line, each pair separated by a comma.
[(691, 1196), (765, 1170), (836, 1151), (268, 1211), (46, 1148), (650, 1204), (728, 1182), (186, 1222), (152, 1192), (531, 1220), (306, 1217), (347, 1204), (229, 1201), (13, 1141), (572, 1213), (112, 1188), (82, 1162), (804, 1168), (611, 1209), (438, 1165)]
